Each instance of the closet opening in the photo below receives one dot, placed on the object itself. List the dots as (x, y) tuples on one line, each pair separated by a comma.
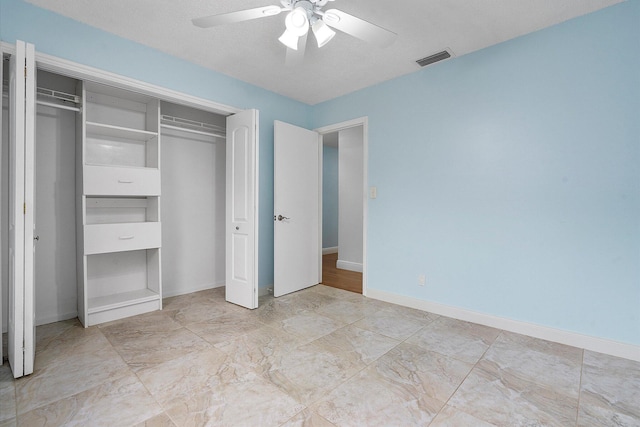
[(191, 232), (82, 154)]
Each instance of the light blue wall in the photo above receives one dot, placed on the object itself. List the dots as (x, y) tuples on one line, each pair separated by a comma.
[(65, 38), (329, 197), (511, 177)]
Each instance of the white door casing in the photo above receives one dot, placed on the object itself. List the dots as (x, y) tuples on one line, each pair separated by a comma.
[(241, 265), (21, 326), (297, 232)]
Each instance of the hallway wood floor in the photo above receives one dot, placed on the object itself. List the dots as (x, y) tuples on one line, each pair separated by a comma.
[(338, 278)]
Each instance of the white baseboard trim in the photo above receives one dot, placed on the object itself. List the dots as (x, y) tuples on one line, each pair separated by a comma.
[(57, 318), (332, 250), (348, 265), (190, 289), (600, 345)]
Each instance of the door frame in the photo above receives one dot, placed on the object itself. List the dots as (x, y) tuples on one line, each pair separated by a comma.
[(364, 122)]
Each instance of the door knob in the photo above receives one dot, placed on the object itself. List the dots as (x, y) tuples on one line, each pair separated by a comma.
[(280, 218), (37, 238)]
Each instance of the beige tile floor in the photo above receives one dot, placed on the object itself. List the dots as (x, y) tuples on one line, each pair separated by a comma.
[(319, 357)]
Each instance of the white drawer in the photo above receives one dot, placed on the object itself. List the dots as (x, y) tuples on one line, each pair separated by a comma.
[(115, 181), (104, 238)]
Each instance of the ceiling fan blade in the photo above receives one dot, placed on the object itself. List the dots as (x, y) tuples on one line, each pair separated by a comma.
[(359, 28), (233, 17)]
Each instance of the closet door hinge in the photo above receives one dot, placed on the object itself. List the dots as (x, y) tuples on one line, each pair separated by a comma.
[(24, 208), (25, 72)]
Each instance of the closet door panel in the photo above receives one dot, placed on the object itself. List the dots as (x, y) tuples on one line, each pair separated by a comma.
[(105, 238), (16, 306), (106, 181)]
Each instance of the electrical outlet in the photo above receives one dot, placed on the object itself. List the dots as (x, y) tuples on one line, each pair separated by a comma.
[(422, 279)]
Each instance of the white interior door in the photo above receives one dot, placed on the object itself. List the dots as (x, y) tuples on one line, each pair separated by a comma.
[(296, 208), (241, 260), (21, 328)]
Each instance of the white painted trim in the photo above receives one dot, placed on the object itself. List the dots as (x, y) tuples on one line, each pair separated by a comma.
[(348, 265), (256, 212), (3, 327), (331, 250), (364, 122), (191, 290), (320, 202), (85, 72), (600, 345)]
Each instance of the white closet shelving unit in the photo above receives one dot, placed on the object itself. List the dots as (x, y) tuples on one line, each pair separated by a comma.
[(119, 263)]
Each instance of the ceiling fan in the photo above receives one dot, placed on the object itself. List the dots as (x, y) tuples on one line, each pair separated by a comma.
[(302, 15)]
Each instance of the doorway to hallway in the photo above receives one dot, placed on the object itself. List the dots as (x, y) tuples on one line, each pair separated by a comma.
[(344, 205)]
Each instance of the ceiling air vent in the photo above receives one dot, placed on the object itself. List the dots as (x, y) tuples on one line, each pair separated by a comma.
[(433, 58)]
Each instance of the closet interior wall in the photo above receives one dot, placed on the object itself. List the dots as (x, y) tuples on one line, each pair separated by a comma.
[(193, 199)]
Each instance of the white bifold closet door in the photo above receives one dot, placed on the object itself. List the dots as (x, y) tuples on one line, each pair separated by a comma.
[(241, 234), (21, 304)]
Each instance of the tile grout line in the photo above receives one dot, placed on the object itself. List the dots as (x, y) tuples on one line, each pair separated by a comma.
[(580, 389), (465, 378), (365, 364)]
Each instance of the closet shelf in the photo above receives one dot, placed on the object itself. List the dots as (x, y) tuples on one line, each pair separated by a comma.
[(124, 299), (178, 123), (100, 129)]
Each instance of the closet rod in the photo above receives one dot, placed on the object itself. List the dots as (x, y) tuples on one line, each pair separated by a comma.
[(199, 132), (63, 107)]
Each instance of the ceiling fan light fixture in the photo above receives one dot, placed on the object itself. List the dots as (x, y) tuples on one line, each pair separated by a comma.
[(297, 21), (322, 32), (289, 39)]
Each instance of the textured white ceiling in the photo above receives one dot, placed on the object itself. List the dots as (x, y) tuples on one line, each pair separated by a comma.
[(249, 51)]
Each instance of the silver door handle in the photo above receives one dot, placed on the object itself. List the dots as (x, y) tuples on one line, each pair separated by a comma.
[(280, 218)]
